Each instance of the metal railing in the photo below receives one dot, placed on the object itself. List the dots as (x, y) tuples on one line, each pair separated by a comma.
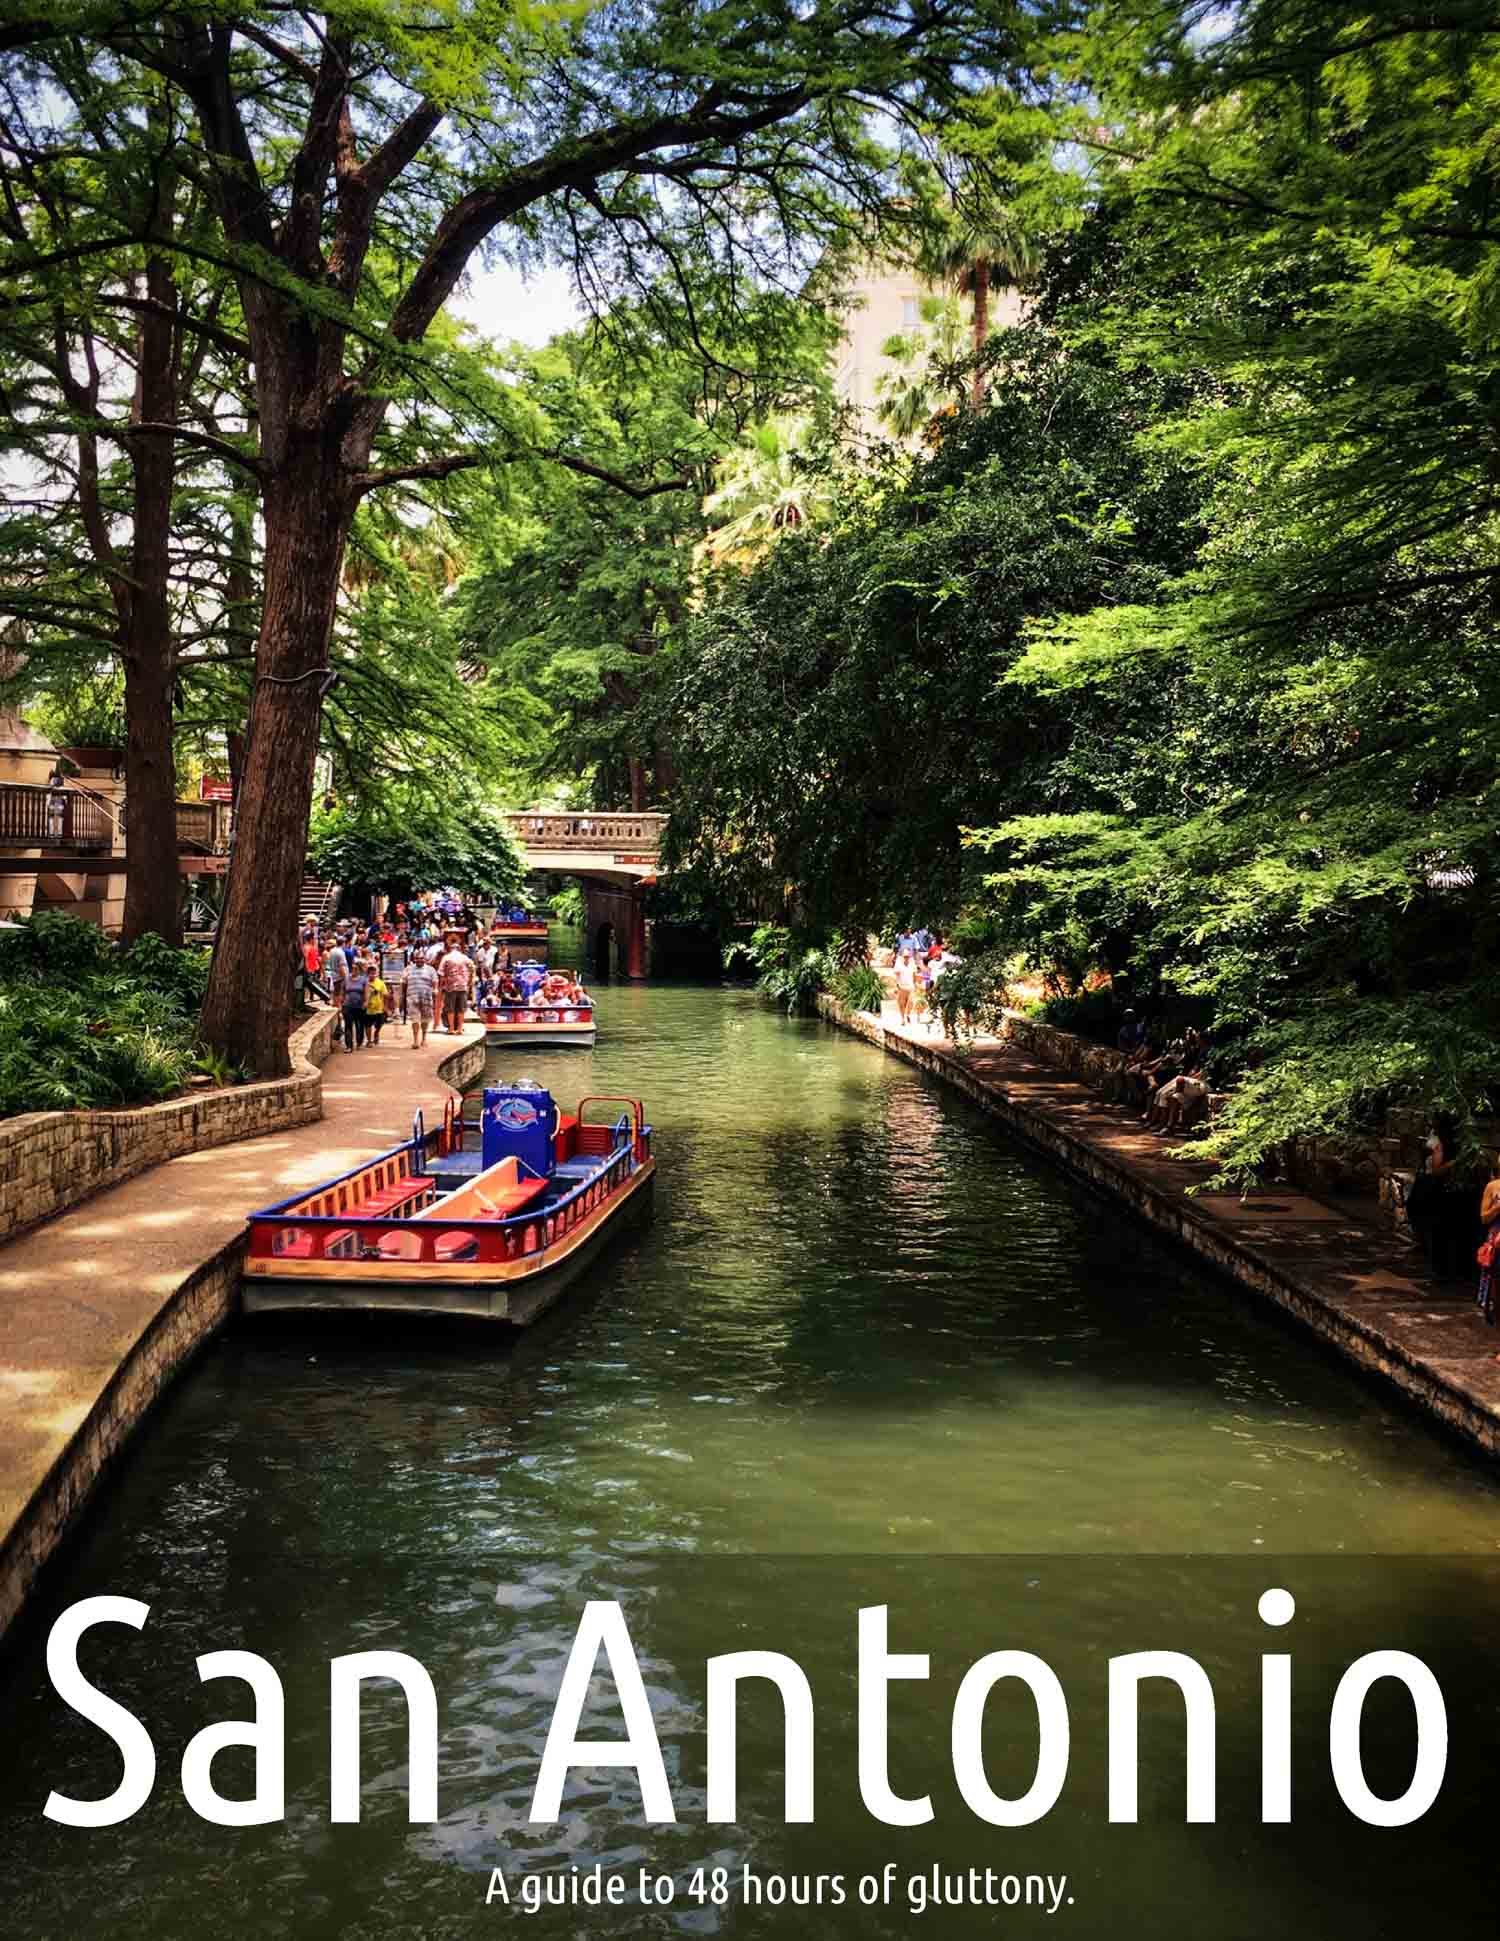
[(337, 1230), (639, 832), (36, 817)]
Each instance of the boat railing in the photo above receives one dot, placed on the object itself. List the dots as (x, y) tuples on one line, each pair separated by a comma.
[(631, 1125), (508, 1011), (301, 1229)]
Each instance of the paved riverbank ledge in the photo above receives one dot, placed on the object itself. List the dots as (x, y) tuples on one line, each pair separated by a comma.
[(1331, 1264), (50, 1161), (101, 1307)]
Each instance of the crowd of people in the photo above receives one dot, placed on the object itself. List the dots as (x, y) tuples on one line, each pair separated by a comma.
[(917, 962), (423, 965), (1162, 1078)]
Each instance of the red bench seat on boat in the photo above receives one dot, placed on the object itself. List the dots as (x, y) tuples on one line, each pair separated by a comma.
[(380, 1205)]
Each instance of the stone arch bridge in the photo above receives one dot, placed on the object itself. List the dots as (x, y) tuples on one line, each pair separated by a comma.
[(614, 855)]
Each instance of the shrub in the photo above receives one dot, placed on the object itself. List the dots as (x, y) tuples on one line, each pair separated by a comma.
[(182, 973), (788, 968), (49, 941), (859, 989), (85, 1024), (1092, 1014)]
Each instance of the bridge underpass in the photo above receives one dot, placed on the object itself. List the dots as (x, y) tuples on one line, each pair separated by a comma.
[(614, 856)]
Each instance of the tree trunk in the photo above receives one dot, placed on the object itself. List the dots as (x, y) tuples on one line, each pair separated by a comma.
[(309, 505), (637, 782), (981, 325), (153, 885)]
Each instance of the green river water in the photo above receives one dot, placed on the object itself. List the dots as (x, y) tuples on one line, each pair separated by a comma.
[(865, 1351)]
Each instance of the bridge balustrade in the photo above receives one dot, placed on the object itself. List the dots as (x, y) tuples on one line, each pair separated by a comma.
[(639, 832)]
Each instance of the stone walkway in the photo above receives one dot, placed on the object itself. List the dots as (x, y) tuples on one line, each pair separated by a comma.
[(80, 1295), (1333, 1263)]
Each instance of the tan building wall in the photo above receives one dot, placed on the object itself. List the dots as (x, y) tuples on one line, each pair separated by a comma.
[(884, 303)]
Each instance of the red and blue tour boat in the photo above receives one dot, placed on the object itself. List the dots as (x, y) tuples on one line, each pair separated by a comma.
[(491, 1214), (552, 1010), (519, 931)]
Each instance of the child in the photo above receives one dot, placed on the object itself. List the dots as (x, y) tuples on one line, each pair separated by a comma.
[(375, 998)]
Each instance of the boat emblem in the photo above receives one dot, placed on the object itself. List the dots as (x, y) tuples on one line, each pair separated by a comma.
[(514, 1112)]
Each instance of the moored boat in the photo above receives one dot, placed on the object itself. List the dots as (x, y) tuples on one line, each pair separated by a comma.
[(489, 1216)]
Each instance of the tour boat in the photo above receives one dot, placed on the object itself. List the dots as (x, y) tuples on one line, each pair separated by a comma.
[(490, 1214), (550, 1025), (528, 936)]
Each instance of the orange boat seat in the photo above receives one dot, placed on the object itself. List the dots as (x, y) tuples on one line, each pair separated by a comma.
[(510, 1199), (565, 1142)]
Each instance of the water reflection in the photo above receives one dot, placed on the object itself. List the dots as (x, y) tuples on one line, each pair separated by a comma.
[(865, 1351)]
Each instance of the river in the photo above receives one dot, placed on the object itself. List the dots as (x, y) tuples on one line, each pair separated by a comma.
[(866, 1351)]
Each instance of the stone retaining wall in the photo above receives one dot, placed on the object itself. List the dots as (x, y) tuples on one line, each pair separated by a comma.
[(186, 1320), (50, 1161), (1370, 1167), (1423, 1382)]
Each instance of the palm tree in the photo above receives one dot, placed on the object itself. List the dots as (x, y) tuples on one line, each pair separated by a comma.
[(765, 490), (985, 251), (911, 394)]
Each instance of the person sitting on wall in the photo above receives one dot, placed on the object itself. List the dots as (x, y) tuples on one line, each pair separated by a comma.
[(1131, 1033), (1181, 1103)]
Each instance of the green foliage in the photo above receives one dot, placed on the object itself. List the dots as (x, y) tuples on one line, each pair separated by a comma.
[(575, 587), (182, 975), (83, 1024), (468, 848), (833, 714), (570, 905), (55, 947), (859, 988), (1294, 821), (788, 968)]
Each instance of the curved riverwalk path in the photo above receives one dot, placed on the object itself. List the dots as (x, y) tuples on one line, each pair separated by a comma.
[(101, 1306), (1333, 1263)]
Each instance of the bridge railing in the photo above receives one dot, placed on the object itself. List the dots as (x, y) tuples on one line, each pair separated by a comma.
[(638, 832)]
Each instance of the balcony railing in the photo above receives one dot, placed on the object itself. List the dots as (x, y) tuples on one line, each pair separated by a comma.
[(33, 817), (638, 832), (198, 826)]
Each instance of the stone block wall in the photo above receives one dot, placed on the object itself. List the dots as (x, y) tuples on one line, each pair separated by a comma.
[(50, 1161), (1369, 1167)]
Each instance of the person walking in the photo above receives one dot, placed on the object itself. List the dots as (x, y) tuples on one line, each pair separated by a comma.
[(393, 962), (455, 980), (336, 973), (906, 984), (356, 1019), (421, 990), (376, 1000), (1488, 1255)]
